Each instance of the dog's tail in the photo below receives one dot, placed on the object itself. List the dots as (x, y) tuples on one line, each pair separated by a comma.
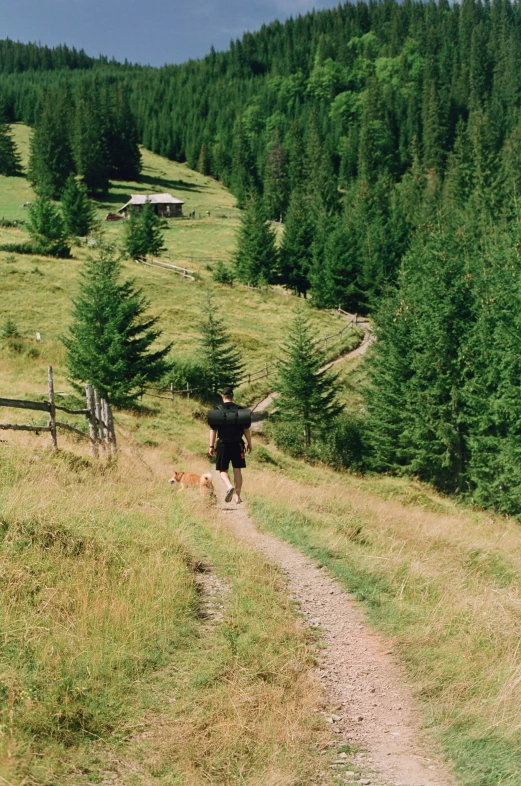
[(206, 479)]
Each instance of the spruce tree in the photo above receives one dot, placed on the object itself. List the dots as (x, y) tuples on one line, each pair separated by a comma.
[(219, 357), (47, 229), (276, 184), (50, 161), (110, 340), (307, 394), (10, 163), (143, 232), (296, 252), (122, 138), (335, 276), (91, 152), (256, 257), (77, 209)]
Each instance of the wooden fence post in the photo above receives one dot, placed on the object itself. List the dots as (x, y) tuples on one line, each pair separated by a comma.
[(172, 390), (99, 419), (52, 413), (188, 391), (105, 419), (112, 430), (93, 431)]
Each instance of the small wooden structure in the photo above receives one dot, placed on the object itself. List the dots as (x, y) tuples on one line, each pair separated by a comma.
[(165, 205)]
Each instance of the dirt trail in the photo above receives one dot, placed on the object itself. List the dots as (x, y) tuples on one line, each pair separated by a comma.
[(260, 409), (372, 705)]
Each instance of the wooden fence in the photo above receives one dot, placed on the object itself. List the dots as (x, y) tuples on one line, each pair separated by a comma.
[(101, 432)]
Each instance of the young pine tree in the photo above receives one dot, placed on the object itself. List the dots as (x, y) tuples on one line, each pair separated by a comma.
[(109, 343), (143, 232), (256, 257), (77, 209), (307, 395), (47, 229), (220, 358)]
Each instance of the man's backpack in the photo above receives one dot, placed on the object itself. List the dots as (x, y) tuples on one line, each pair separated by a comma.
[(230, 422)]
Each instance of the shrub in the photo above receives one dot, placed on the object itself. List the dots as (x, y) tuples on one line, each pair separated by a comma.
[(186, 371), (9, 329), (17, 248), (341, 445), (223, 274)]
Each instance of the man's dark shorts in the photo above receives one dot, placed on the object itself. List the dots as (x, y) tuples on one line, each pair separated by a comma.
[(229, 451)]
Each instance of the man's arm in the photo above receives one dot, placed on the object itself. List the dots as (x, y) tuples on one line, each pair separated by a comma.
[(213, 437), (247, 434)]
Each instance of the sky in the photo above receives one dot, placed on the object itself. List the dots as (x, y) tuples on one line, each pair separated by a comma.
[(153, 32)]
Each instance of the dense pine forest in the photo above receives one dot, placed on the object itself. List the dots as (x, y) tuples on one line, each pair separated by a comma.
[(387, 137)]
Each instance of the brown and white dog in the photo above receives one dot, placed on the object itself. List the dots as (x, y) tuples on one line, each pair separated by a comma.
[(190, 480)]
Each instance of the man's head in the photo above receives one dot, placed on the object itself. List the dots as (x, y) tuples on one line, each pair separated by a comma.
[(227, 393)]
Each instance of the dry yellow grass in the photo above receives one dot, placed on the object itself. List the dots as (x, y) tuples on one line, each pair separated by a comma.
[(106, 666)]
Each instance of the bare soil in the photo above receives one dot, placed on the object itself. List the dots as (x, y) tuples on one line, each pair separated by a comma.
[(369, 703)]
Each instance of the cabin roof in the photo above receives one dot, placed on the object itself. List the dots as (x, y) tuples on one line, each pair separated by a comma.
[(155, 199)]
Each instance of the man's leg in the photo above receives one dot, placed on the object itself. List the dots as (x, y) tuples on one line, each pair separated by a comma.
[(226, 480), (237, 476)]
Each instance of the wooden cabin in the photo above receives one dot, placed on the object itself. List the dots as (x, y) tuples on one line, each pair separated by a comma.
[(165, 205)]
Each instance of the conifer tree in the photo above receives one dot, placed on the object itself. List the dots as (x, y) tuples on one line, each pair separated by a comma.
[(276, 185), (121, 133), (296, 253), (203, 164), (256, 257), (109, 343), (10, 163), (244, 172), (50, 161), (335, 279), (432, 317), (219, 357), (307, 395), (47, 229), (91, 152), (143, 232), (77, 209)]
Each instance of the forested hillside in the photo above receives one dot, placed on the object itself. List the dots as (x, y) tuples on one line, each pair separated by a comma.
[(388, 139), (332, 117)]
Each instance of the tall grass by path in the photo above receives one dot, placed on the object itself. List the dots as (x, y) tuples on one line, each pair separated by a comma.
[(441, 581), (105, 663)]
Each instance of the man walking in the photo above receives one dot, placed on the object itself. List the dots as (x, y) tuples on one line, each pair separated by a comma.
[(230, 448)]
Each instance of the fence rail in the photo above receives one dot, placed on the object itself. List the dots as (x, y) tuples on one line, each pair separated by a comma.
[(98, 412), (182, 271)]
